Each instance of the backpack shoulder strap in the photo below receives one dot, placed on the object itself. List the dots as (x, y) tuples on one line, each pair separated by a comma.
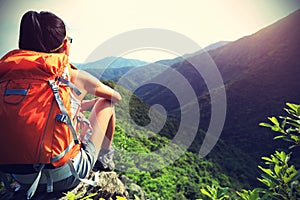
[(71, 85), (64, 117)]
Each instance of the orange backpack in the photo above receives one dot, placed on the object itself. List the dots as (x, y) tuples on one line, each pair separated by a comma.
[(35, 127)]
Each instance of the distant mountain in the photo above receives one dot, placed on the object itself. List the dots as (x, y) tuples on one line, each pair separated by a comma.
[(112, 68), (112, 62), (260, 73), (170, 62), (147, 72), (109, 74), (209, 48), (216, 45)]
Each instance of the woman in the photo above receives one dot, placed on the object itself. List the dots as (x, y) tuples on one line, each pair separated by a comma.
[(46, 33)]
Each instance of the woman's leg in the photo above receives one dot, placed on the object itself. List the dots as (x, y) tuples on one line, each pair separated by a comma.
[(102, 118)]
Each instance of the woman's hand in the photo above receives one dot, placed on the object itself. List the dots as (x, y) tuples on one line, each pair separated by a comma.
[(88, 104)]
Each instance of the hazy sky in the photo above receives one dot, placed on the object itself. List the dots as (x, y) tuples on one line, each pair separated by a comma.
[(92, 22)]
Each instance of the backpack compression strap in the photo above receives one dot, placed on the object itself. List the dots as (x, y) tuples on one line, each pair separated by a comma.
[(64, 117), (35, 184)]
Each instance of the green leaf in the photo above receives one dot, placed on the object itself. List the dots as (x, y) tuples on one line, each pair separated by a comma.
[(288, 139), (279, 137), (297, 121), (88, 197), (294, 107), (294, 124), (296, 138), (224, 197), (274, 120), (289, 130), (265, 124), (254, 195), (290, 177), (267, 171), (277, 170), (271, 179), (288, 111), (204, 191), (267, 159), (293, 146), (277, 129), (265, 181), (286, 157), (297, 175)]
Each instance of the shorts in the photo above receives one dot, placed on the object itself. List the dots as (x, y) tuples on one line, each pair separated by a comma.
[(83, 164)]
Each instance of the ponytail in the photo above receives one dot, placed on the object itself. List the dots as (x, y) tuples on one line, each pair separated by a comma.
[(41, 32)]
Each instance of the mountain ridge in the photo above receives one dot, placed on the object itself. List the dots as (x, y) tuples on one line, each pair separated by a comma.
[(210, 47), (112, 62), (259, 73), (112, 68)]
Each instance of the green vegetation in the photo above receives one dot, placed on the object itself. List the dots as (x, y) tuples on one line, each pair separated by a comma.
[(179, 180), (281, 179), (289, 127), (215, 192), (161, 168)]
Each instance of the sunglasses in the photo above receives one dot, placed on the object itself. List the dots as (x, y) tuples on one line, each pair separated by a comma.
[(70, 39)]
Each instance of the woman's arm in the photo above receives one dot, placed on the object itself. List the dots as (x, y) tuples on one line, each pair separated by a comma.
[(87, 83)]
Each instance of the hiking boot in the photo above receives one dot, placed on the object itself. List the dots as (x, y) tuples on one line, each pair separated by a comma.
[(105, 161)]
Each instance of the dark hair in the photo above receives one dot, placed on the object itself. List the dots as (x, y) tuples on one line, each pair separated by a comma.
[(41, 32)]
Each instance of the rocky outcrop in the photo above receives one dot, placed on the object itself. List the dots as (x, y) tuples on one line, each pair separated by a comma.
[(110, 185)]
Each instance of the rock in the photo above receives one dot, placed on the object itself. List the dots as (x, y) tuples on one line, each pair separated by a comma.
[(133, 189), (109, 185)]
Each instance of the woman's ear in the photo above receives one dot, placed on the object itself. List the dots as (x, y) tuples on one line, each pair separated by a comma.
[(66, 47)]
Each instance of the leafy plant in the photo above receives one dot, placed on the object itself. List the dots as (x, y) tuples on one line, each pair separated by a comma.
[(289, 127), (255, 194), (215, 192), (72, 196), (280, 178)]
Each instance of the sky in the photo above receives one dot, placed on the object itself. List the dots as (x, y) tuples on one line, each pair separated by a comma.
[(91, 23)]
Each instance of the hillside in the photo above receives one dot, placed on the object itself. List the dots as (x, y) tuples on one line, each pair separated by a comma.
[(170, 62), (162, 168), (260, 74)]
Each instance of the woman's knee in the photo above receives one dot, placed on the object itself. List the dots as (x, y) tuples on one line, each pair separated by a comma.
[(102, 104)]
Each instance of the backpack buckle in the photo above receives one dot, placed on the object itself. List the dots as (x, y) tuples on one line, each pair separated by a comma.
[(54, 86), (62, 118)]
